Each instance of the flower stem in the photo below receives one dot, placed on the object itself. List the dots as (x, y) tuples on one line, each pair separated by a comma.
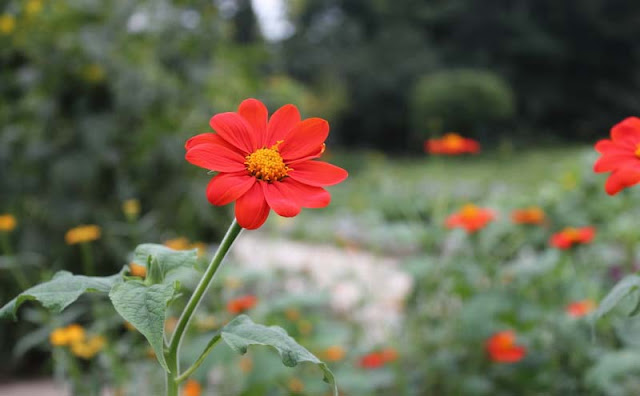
[(173, 378)]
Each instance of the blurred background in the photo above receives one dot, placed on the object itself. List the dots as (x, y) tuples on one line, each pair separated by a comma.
[(98, 97)]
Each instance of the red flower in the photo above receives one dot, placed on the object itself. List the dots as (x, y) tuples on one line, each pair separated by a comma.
[(378, 359), (532, 215), (620, 156), (471, 218), (242, 304), (451, 144), (570, 236), (265, 164), (578, 309), (502, 348)]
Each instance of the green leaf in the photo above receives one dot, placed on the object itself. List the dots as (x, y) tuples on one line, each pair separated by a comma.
[(145, 307), (164, 260), (619, 291), (59, 292), (241, 332)]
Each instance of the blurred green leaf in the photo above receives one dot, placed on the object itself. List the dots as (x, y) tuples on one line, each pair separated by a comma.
[(241, 332), (164, 260), (60, 291), (619, 291)]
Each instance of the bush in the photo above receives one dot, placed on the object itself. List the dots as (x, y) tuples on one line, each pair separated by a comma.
[(463, 100)]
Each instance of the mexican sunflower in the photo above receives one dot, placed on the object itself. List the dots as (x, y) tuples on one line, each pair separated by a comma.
[(471, 218), (378, 359), (502, 348), (570, 236), (265, 164), (242, 304), (581, 308), (532, 215), (452, 144), (620, 156)]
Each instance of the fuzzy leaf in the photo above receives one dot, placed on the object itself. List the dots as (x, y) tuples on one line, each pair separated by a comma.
[(59, 292), (241, 332), (619, 291), (145, 307), (165, 260)]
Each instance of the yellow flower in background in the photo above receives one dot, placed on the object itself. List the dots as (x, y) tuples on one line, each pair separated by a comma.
[(232, 283), (192, 388), (137, 270), (201, 246), (183, 243), (206, 323), (295, 385), (129, 326), (63, 336), (292, 314), (58, 337), (178, 243), (334, 353), (131, 208), (7, 222), (82, 234), (33, 7), (246, 364), (89, 348), (93, 73), (7, 24)]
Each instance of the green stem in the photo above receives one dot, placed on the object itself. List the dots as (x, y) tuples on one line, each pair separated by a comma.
[(87, 258), (23, 283), (174, 377), (198, 362)]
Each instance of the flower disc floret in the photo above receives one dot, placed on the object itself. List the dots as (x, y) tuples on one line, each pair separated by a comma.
[(267, 164)]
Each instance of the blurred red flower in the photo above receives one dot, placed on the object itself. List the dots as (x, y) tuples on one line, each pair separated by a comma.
[(531, 215), (571, 236), (265, 164), (451, 144), (620, 156), (242, 304), (378, 359), (471, 218), (578, 309), (502, 348)]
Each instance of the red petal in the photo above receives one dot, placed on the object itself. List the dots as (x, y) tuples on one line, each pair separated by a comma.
[(620, 179), (215, 157), (627, 132), (317, 173), (606, 146), (208, 137), (607, 162), (307, 196), (587, 234), (281, 123), (225, 188), (235, 130), (280, 199), (559, 241), (255, 114), (251, 208), (305, 139)]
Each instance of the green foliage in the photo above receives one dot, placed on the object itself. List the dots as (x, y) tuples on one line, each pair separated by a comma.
[(241, 333), (621, 290), (463, 100), (145, 307), (60, 292)]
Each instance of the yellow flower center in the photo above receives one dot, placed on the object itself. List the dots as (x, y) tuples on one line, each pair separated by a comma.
[(572, 234), (267, 164), (638, 150), (469, 211), (453, 140)]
